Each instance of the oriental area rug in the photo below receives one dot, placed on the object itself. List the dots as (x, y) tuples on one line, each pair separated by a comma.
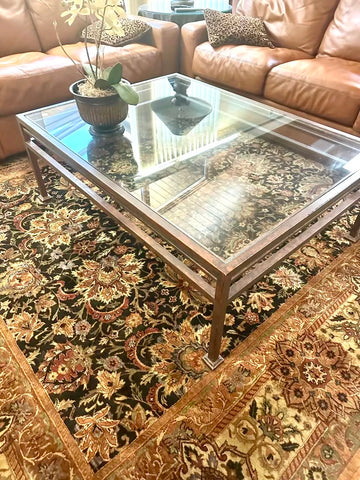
[(101, 345)]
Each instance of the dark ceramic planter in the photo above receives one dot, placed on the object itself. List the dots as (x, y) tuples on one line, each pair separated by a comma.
[(104, 114)]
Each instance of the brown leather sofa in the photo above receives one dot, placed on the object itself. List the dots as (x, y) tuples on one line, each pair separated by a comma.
[(34, 71), (314, 71)]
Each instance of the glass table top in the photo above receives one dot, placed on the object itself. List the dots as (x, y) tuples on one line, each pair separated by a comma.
[(221, 168)]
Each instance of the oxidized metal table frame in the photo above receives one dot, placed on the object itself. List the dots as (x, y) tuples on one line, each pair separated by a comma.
[(228, 278)]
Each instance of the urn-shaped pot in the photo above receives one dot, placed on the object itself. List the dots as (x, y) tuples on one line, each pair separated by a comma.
[(104, 114)]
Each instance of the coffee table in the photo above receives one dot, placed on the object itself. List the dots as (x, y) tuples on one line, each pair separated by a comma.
[(233, 186)]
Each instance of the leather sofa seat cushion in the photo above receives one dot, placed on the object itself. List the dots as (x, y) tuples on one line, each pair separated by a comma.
[(242, 67), (324, 86), (342, 38), (17, 32), (139, 61), (298, 24), (34, 79)]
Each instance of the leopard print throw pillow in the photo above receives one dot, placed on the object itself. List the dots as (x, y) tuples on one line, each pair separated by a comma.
[(227, 28), (134, 29)]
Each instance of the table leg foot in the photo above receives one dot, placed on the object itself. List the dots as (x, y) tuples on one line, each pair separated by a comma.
[(212, 364), (45, 199), (352, 238), (354, 234)]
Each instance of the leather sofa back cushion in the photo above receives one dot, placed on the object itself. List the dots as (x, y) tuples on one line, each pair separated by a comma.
[(44, 13), (342, 38), (298, 24), (17, 31)]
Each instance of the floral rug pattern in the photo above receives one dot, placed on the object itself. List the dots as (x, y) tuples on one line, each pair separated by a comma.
[(243, 197), (116, 338)]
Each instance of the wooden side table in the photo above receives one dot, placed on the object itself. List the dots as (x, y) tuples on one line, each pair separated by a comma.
[(161, 10)]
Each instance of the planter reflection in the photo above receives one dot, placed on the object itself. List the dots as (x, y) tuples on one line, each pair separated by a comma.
[(113, 156), (180, 113)]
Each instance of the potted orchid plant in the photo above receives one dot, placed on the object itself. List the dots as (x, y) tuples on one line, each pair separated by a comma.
[(101, 88)]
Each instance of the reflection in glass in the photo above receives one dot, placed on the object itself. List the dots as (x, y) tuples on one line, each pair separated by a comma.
[(180, 113), (114, 157)]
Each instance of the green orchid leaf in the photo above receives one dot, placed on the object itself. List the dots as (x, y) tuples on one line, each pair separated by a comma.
[(105, 73), (102, 84), (115, 74), (127, 93), (87, 69)]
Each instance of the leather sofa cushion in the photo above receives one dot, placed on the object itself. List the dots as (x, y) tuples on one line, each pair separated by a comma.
[(34, 79), (17, 32), (342, 38), (241, 67), (10, 136), (44, 13), (324, 86), (139, 62), (298, 24)]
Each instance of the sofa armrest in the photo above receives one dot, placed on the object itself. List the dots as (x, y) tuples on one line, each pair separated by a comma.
[(165, 36), (192, 35)]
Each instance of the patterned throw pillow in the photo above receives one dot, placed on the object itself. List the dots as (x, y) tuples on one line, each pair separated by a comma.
[(227, 28), (134, 29)]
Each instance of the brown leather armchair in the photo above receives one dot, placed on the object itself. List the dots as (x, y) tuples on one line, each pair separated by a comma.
[(34, 70), (314, 71)]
